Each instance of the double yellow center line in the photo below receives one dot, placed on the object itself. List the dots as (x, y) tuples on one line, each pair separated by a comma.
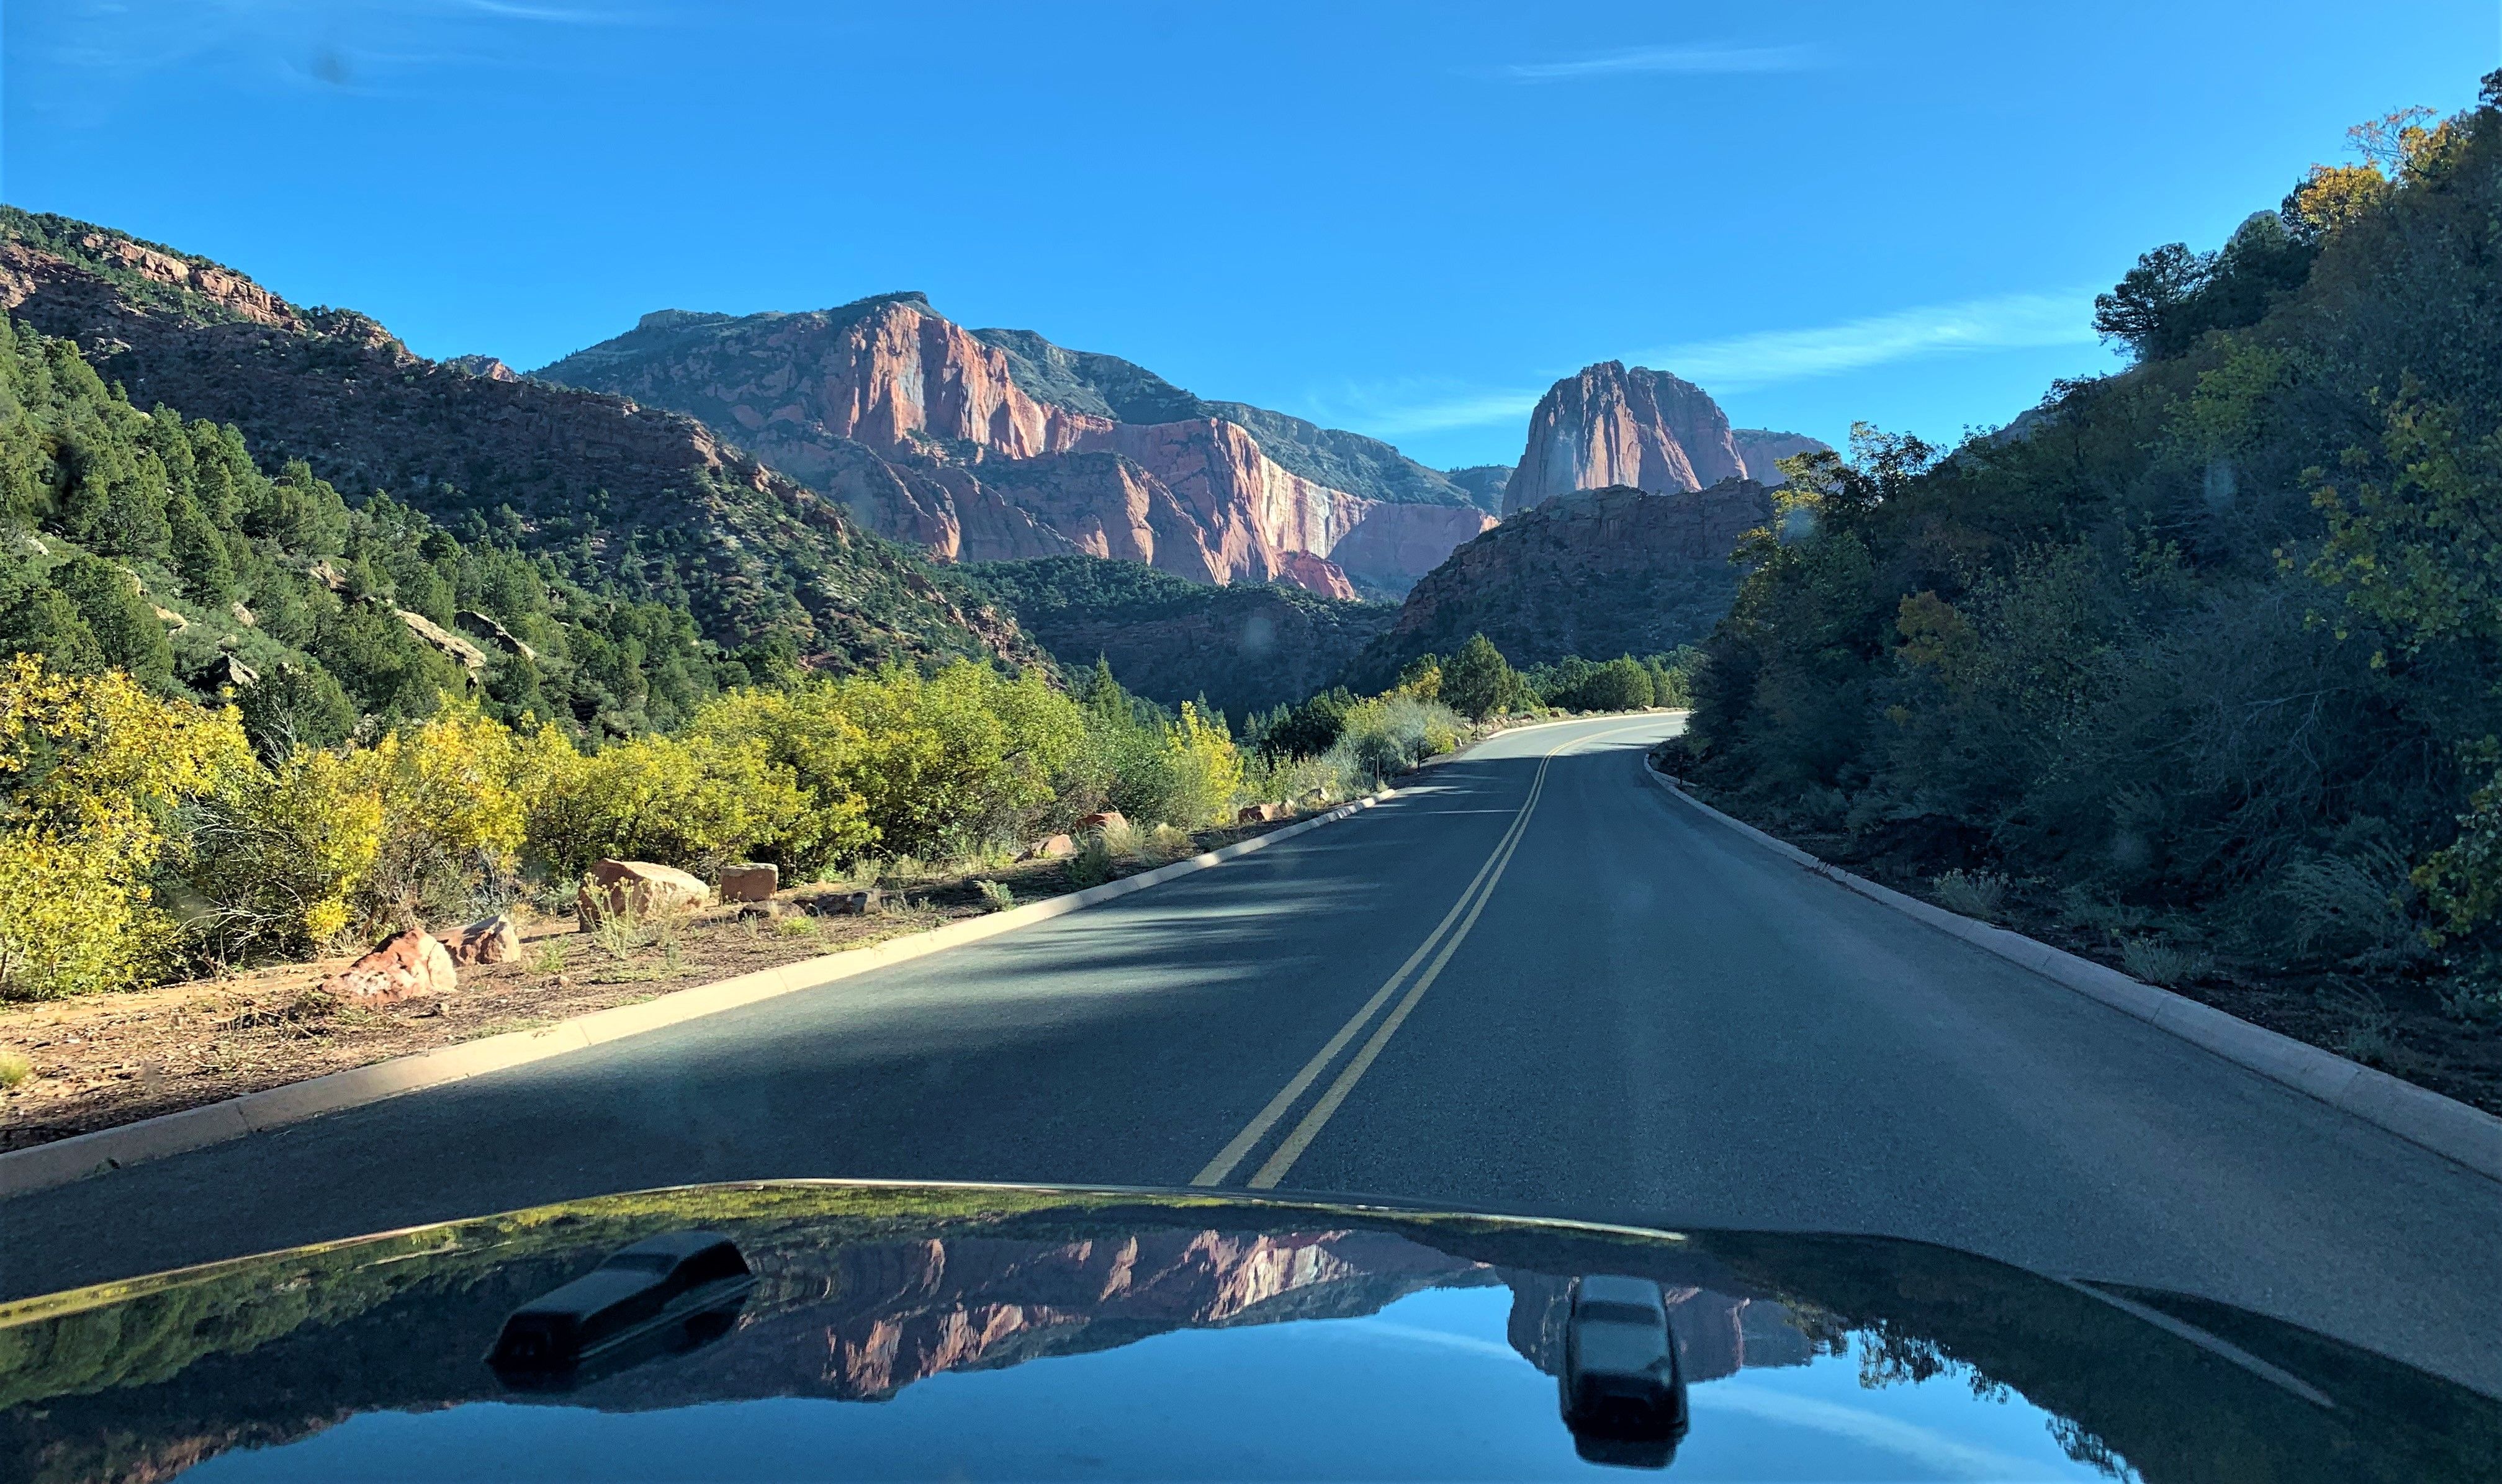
[(1446, 938)]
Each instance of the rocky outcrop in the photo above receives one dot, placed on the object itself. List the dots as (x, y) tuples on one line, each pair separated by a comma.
[(1598, 573), (1614, 424), (1763, 450), (488, 366), (652, 503), (1617, 426), (996, 445)]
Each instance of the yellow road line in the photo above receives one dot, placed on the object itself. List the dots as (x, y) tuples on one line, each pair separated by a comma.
[(1318, 1118), (1258, 1128), (1464, 912)]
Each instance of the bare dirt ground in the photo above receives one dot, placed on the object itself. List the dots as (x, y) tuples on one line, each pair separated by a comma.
[(2389, 1022), (103, 1059)]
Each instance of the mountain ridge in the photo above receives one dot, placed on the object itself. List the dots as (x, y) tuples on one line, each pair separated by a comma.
[(645, 502), (984, 433)]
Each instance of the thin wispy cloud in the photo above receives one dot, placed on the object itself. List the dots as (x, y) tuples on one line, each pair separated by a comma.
[(1750, 362), (553, 15), (1770, 357), (1677, 61)]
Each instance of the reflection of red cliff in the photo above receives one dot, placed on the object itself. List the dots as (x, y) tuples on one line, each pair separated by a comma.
[(906, 1311)]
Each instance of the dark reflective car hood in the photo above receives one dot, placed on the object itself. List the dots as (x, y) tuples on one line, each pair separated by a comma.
[(1011, 1331)]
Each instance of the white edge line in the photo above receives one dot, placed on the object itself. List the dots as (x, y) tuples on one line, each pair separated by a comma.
[(63, 1161), (2468, 1137)]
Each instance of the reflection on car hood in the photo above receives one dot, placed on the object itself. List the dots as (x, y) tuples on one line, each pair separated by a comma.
[(1016, 1332)]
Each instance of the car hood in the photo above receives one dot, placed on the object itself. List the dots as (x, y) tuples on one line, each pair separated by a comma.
[(907, 1331)]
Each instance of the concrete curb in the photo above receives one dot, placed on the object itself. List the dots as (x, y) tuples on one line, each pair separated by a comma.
[(63, 1161), (2469, 1136)]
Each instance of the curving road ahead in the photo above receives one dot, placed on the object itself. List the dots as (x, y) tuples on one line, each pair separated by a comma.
[(1527, 982)]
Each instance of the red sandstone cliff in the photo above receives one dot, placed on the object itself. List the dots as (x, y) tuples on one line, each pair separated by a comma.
[(982, 469), (1643, 429)]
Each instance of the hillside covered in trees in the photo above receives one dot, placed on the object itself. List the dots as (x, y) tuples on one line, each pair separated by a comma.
[(2202, 662), (1238, 648), (630, 502), (157, 545)]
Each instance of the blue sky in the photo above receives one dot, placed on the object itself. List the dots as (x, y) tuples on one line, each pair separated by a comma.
[(1407, 219)]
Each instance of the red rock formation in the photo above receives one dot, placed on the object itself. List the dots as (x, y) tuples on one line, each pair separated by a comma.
[(1613, 425), (919, 426), (409, 966)]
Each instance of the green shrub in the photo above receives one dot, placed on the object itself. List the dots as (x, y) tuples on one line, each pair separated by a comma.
[(1093, 862), (699, 803), (1973, 893), (2167, 965)]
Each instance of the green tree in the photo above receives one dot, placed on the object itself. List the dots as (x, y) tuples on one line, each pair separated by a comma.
[(125, 626), (1479, 682)]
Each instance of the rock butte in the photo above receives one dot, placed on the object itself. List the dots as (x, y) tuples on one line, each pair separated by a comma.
[(1643, 429)]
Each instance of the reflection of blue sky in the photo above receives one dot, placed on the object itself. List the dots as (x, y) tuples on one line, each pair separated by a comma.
[(1427, 1389)]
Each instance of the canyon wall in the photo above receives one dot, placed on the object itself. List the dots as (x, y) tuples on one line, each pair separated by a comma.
[(996, 440)]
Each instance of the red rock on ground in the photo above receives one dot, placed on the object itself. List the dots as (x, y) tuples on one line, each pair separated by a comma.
[(750, 882), (488, 940), (1102, 819), (408, 965), (636, 888), (1052, 849)]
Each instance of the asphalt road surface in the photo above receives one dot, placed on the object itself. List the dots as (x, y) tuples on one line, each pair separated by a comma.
[(1528, 982)]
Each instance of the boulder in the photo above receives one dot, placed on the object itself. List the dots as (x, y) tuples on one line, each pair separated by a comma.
[(1102, 819), (488, 940), (408, 965), (637, 888), (1258, 814), (1052, 849), (750, 882)]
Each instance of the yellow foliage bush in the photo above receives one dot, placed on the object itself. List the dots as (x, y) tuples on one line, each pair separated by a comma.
[(700, 803), (1206, 771), (938, 765), (93, 770), (425, 826)]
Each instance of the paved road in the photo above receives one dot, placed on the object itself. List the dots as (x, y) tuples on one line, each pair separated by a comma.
[(1544, 987)]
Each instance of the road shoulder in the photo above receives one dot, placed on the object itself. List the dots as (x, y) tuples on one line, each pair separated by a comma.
[(2466, 1135)]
